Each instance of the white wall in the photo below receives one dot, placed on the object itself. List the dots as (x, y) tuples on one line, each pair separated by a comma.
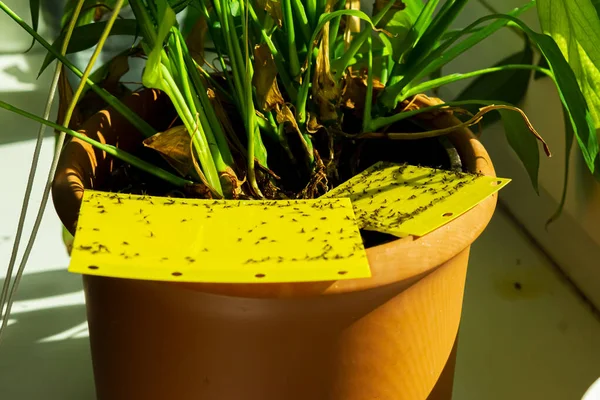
[(574, 240)]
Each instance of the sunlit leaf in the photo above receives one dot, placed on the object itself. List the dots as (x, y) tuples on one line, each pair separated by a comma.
[(174, 146), (152, 76), (575, 27)]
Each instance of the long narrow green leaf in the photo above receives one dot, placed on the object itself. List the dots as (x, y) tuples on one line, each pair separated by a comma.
[(34, 9), (436, 29), (87, 36), (444, 54), (109, 149), (420, 26)]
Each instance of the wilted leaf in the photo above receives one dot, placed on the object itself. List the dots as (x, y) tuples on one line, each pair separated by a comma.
[(174, 146), (523, 143), (117, 67), (326, 93), (265, 79), (507, 86), (65, 96), (569, 136), (273, 7), (196, 39), (286, 116)]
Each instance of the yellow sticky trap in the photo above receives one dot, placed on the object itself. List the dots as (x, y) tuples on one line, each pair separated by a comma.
[(166, 239), (407, 200)]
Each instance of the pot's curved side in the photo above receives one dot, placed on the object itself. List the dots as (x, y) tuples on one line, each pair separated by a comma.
[(154, 341)]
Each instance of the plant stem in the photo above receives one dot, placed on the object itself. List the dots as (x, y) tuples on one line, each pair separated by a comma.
[(369, 96), (300, 14), (288, 22), (33, 170), (53, 167)]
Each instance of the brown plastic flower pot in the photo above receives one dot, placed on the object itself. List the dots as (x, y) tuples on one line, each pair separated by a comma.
[(388, 337)]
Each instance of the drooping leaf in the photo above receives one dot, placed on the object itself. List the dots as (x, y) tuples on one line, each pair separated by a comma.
[(569, 135), (523, 143), (65, 96), (575, 27), (508, 86), (34, 9), (196, 39), (265, 79), (87, 36)]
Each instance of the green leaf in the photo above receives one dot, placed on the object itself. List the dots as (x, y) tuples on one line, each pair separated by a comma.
[(575, 27), (34, 9), (523, 143), (87, 36), (400, 21), (179, 5), (443, 54), (569, 135), (508, 86), (570, 94), (152, 76)]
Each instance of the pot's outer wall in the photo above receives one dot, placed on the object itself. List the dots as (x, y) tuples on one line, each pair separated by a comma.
[(155, 341)]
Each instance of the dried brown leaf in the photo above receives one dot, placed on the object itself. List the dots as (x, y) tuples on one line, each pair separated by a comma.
[(324, 89), (273, 7), (65, 96), (265, 79), (174, 146), (196, 39), (286, 116)]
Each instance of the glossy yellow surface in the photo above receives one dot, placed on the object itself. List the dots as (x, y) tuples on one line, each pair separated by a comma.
[(407, 200), (166, 239)]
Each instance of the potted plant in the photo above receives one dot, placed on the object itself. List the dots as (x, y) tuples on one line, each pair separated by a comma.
[(302, 96)]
